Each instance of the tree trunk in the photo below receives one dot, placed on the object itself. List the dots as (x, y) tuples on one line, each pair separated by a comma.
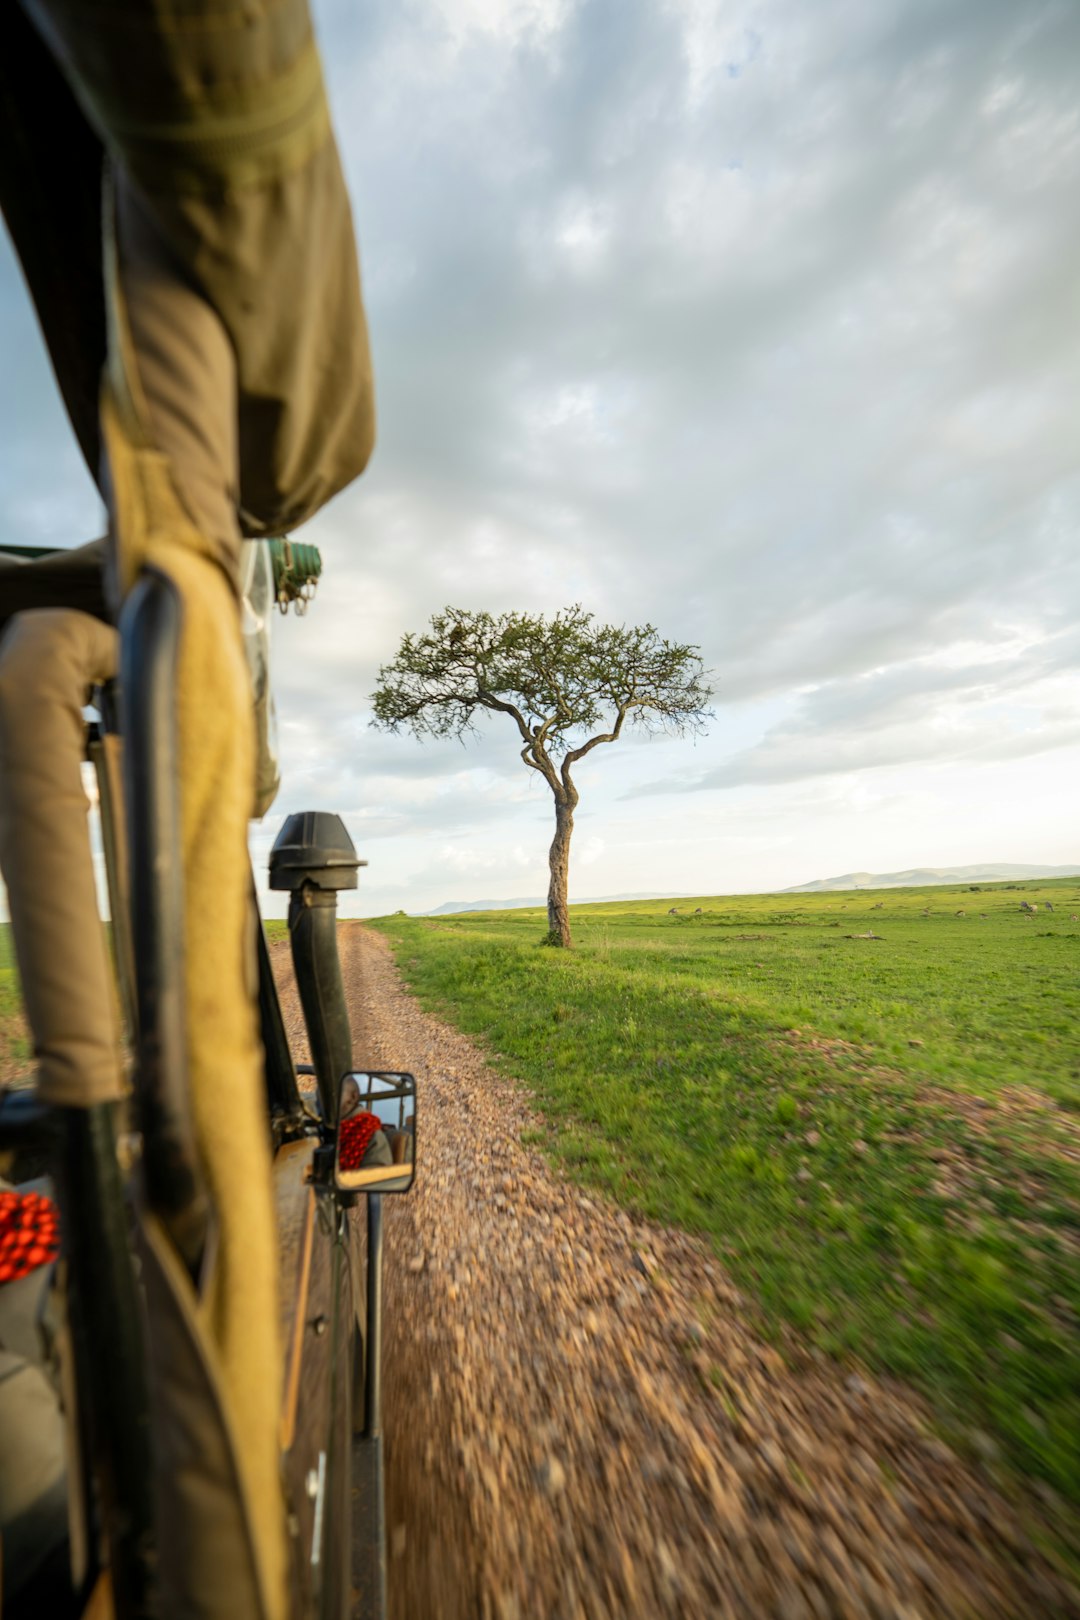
[(559, 864)]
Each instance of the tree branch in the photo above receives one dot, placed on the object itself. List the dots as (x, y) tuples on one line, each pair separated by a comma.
[(490, 701), (541, 762), (574, 754)]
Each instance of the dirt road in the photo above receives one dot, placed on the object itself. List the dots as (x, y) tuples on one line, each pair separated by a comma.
[(582, 1422)]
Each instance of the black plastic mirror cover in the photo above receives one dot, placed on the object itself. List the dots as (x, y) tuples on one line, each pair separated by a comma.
[(314, 846), (375, 1149)]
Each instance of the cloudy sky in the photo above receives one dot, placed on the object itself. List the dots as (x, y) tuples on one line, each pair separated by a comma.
[(757, 320)]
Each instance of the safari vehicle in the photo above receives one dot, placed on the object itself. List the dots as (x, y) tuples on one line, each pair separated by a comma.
[(95, 1300)]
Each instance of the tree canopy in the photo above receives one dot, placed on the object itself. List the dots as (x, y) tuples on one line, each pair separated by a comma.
[(567, 683)]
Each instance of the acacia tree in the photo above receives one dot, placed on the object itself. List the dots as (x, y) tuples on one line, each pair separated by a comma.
[(566, 683)]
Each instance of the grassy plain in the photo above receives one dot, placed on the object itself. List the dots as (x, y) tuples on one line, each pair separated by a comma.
[(14, 1046), (881, 1136)]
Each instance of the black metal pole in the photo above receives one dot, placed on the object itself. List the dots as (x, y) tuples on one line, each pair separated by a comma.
[(369, 1521), (103, 753), (317, 965), (373, 1366), (106, 1323), (149, 641), (282, 1093)]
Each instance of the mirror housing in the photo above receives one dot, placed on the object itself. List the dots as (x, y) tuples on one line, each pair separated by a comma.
[(375, 1147)]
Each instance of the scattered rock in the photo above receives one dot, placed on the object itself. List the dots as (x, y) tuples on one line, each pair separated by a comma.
[(551, 1476), (812, 1138)]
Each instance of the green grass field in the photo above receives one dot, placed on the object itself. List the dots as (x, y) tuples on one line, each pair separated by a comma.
[(14, 1047), (880, 1136)]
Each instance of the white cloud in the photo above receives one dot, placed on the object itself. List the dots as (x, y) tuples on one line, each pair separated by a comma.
[(757, 322)]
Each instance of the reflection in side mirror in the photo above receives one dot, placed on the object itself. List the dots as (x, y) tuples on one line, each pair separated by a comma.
[(376, 1133)]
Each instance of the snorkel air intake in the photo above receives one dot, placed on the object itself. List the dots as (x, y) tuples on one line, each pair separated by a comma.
[(312, 858)]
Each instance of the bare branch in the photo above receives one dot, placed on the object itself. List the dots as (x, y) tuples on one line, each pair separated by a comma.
[(574, 754), (490, 701), (540, 761)]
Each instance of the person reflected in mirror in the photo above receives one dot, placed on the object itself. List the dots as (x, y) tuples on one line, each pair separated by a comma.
[(349, 1098), (362, 1143)]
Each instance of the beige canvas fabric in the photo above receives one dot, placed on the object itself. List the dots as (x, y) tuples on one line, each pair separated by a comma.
[(236, 1320), (215, 114), (225, 1061), (237, 399), (49, 661), (175, 357)]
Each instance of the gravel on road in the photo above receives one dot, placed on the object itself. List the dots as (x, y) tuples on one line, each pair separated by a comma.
[(583, 1420)]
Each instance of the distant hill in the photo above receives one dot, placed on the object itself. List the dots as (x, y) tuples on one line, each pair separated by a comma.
[(452, 906), (923, 877)]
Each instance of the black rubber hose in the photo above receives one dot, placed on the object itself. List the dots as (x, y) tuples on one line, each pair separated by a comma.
[(313, 938)]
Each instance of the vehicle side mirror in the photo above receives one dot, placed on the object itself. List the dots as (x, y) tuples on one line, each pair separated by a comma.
[(375, 1149)]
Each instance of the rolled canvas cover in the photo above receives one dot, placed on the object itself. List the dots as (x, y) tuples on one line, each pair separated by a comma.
[(217, 114)]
